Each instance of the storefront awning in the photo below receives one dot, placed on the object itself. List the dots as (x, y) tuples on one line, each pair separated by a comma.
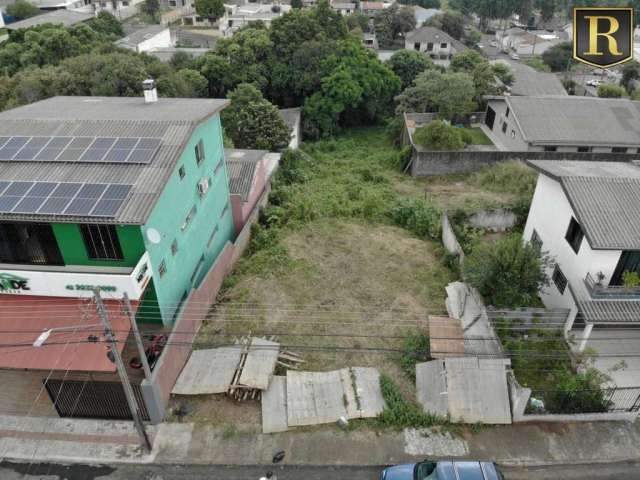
[(23, 318)]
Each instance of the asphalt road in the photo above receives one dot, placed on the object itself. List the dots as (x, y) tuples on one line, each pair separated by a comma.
[(10, 471)]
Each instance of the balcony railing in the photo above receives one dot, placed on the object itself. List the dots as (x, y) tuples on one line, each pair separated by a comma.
[(610, 292)]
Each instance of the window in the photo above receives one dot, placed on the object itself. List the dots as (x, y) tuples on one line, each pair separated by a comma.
[(416, 46), (174, 247), (101, 242), (429, 47), (619, 150), (29, 243), (549, 148), (182, 172), (443, 45), (536, 241), (574, 235), (559, 279), (172, 3), (504, 127), (189, 218), (506, 114), (224, 210), (199, 152), (513, 133), (162, 269), (584, 149), (212, 236), (196, 270), (217, 169)]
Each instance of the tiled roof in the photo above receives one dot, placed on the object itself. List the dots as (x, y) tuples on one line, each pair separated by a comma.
[(172, 120), (62, 17), (241, 168), (605, 197), (577, 120)]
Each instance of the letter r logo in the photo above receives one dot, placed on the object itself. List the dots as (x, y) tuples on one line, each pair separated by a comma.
[(602, 37)]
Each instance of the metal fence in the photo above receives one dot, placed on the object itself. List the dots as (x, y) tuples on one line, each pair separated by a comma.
[(614, 399)]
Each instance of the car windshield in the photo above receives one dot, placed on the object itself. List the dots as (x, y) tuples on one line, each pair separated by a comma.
[(425, 471)]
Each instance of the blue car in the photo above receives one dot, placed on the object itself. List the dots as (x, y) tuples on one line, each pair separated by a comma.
[(444, 470)]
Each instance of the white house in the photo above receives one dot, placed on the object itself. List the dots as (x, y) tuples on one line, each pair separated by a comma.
[(147, 39), (563, 123), (433, 42), (526, 42), (237, 16), (585, 215), (344, 8)]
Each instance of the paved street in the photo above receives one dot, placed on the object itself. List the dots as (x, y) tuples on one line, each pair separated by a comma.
[(10, 471)]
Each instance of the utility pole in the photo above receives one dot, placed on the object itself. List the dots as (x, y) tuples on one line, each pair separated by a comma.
[(122, 372), (138, 338)]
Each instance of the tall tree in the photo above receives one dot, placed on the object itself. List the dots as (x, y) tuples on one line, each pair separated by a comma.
[(251, 121), (407, 64), (150, 7), (22, 9), (392, 22), (210, 9)]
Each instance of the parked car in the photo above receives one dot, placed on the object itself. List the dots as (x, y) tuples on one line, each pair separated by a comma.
[(514, 56), (443, 470), (594, 82), (493, 43)]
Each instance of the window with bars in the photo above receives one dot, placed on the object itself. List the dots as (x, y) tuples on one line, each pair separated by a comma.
[(174, 247), (101, 242), (559, 279), (212, 236), (189, 218), (218, 167), (199, 152), (182, 172), (162, 269)]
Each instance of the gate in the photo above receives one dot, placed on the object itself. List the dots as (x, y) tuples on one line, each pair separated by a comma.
[(90, 399)]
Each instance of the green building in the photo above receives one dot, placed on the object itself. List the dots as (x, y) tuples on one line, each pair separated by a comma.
[(126, 194)]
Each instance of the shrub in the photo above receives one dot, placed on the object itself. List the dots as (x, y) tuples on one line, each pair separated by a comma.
[(578, 393), (290, 169), (631, 279), (608, 90), (438, 135), (416, 349), (508, 273), (465, 136), (399, 413), (417, 216)]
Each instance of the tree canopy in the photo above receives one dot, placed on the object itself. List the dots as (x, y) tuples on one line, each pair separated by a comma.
[(407, 64), (209, 9), (392, 23), (251, 121), (22, 9), (438, 135), (608, 90), (558, 57)]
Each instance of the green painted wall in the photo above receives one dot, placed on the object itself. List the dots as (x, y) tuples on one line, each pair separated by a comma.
[(171, 210), (74, 251), (148, 310)]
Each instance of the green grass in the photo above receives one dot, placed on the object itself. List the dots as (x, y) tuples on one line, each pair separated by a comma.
[(537, 63), (478, 136)]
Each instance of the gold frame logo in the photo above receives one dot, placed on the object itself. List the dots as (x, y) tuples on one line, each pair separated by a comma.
[(596, 27)]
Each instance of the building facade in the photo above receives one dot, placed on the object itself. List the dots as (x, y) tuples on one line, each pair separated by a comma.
[(564, 123)]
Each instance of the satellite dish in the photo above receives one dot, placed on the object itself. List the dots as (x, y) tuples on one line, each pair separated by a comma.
[(153, 235)]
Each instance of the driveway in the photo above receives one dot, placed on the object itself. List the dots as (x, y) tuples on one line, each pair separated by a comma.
[(624, 368)]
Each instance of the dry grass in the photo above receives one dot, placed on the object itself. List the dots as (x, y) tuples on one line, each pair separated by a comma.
[(350, 287)]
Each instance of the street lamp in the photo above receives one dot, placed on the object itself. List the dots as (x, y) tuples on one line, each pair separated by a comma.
[(46, 333)]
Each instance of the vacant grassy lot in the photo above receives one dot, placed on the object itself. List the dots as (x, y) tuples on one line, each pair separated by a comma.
[(339, 270), (478, 136)]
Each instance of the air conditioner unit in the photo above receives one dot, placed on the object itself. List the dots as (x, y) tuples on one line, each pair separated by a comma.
[(203, 186)]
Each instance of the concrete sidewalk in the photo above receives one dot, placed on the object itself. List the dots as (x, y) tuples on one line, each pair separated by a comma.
[(101, 442)]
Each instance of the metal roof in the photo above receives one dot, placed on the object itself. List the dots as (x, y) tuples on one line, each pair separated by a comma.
[(241, 168), (172, 120), (62, 16), (528, 81), (573, 120), (605, 197), (610, 311), (137, 37)]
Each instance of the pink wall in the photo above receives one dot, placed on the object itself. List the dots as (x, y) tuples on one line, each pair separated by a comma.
[(242, 210)]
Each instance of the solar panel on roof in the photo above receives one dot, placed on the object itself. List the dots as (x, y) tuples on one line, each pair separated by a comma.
[(18, 188), (70, 154), (93, 155), (8, 202), (80, 206), (115, 192), (117, 155), (126, 143), (81, 142), (107, 208), (3, 186), (29, 204), (48, 154), (148, 143), (54, 205), (27, 153), (101, 142), (92, 190), (7, 153), (37, 142), (59, 142), (66, 190), (42, 189), (141, 156), (17, 142), (3, 140)]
